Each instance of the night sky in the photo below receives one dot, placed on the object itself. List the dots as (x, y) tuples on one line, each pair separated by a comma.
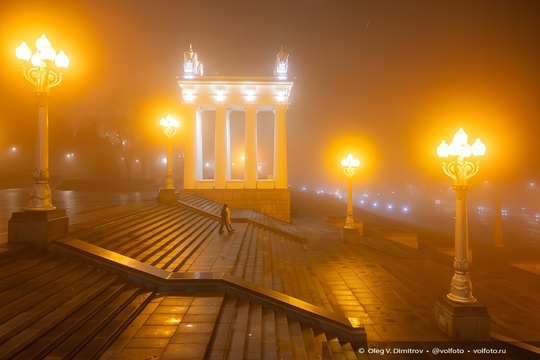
[(384, 80)]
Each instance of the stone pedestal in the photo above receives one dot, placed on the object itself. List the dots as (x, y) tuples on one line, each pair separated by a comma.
[(350, 235), (37, 227), (167, 196), (462, 322)]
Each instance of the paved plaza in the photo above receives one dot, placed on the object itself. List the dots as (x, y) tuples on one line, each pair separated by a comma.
[(389, 288)]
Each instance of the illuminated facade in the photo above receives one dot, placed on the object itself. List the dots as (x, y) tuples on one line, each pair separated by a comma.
[(216, 163)]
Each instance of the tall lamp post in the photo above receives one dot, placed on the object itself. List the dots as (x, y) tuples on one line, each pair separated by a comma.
[(42, 69), (350, 165), (461, 170), (41, 222), (169, 125)]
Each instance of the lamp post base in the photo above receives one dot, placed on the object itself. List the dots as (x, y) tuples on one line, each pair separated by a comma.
[(37, 227), (167, 196), (462, 322), (349, 235)]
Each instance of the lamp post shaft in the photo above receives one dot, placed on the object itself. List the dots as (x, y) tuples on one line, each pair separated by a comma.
[(41, 199), (461, 286), (349, 221), (169, 182)]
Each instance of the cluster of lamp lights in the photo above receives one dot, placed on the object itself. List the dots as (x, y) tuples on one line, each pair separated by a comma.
[(43, 70), (41, 73), (169, 125)]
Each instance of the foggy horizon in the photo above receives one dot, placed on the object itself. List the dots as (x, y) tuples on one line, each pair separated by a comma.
[(385, 81)]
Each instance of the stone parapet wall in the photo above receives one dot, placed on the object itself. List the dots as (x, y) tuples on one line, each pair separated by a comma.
[(272, 202)]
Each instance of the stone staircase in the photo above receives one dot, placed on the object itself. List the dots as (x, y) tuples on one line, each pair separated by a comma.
[(177, 239), (217, 325), (52, 306), (165, 237), (246, 330), (212, 207), (76, 299), (201, 204)]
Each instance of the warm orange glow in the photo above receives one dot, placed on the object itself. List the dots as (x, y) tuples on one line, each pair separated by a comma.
[(361, 146), (69, 28), (491, 122)]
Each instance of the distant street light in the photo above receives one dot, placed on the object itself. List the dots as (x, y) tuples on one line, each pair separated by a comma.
[(460, 170), (169, 125), (350, 165), (43, 70)]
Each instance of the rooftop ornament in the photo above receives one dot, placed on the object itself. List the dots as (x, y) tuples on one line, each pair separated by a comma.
[(192, 65), (282, 65)]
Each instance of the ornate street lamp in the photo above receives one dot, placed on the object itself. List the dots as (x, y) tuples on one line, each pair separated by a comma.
[(42, 69), (461, 170), (350, 165), (169, 125)]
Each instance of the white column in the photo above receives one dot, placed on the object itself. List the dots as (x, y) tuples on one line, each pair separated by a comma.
[(189, 129), (228, 145), (280, 147), (250, 169), (198, 163), (221, 149)]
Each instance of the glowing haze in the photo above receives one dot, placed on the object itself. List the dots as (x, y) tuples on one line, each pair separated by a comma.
[(383, 80)]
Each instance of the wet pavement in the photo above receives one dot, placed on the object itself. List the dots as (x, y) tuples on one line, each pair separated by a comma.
[(391, 288)]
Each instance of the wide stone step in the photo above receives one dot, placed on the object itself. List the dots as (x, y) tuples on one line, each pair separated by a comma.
[(145, 244), (246, 330), (284, 348), (240, 268), (237, 341), (125, 225), (29, 277), (51, 289), (121, 234), (20, 252), (108, 330), (172, 243), (39, 348), (175, 225), (192, 246), (298, 347), (333, 349), (151, 238), (222, 331), (201, 203), (269, 339), (312, 340), (253, 345), (62, 308), (172, 253)]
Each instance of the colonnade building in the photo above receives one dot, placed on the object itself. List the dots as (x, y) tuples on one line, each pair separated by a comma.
[(235, 150)]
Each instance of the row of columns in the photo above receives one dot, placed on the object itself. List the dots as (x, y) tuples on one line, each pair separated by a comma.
[(193, 164)]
